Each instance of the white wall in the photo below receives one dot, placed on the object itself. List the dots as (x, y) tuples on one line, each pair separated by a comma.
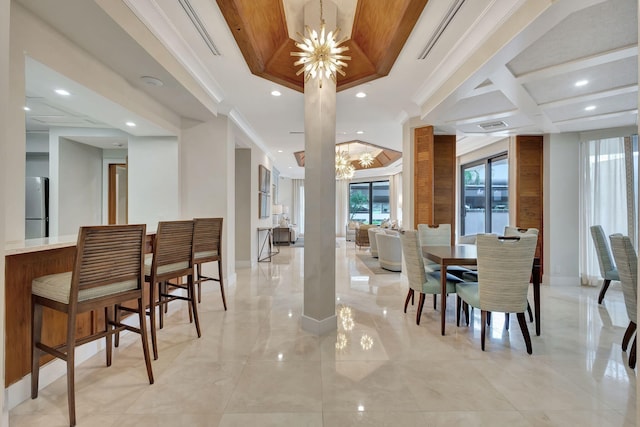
[(561, 209), (37, 142), (207, 188), (153, 180), (258, 157), (37, 164), (285, 193), (78, 186), (243, 231)]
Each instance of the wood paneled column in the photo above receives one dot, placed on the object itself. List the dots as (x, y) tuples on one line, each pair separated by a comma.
[(529, 185), (434, 178)]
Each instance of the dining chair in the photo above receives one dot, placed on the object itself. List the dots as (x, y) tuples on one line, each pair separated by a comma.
[(108, 271), (438, 235), (514, 232), (207, 243), (608, 269), (627, 262), (418, 278), (504, 270), (165, 268)]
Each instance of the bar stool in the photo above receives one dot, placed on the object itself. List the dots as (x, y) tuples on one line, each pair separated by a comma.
[(172, 259), (207, 242), (108, 271)]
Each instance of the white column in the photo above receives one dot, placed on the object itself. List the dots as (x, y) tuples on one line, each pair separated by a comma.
[(319, 313)]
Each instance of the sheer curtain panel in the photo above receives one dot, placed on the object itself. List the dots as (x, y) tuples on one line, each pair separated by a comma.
[(603, 188)]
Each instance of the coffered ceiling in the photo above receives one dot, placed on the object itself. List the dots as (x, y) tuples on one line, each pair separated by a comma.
[(482, 69)]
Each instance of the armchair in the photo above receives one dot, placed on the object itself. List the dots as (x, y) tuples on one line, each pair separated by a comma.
[(389, 251)]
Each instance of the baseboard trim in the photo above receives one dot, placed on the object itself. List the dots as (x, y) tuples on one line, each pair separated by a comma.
[(319, 327), (561, 281)]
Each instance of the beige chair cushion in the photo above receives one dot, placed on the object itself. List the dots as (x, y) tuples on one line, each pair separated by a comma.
[(57, 287), (148, 260), (204, 254)]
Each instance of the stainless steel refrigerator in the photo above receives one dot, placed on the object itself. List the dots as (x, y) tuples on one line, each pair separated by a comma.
[(37, 207)]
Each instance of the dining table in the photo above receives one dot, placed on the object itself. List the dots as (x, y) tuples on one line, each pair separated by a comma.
[(467, 255)]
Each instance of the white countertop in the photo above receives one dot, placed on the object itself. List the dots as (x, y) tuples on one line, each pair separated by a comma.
[(17, 247)]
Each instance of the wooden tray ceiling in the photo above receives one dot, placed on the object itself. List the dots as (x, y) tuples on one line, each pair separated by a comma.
[(384, 157), (380, 29)]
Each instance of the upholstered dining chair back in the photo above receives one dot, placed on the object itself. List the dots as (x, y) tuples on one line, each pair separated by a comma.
[(605, 260), (434, 235), (517, 231), (627, 262), (608, 269), (504, 269), (412, 253)]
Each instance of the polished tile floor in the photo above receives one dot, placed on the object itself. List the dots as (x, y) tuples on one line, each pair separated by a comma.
[(255, 366)]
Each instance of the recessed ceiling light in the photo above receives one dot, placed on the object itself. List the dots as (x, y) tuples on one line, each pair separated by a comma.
[(25, 108), (130, 124), (590, 108), (275, 93), (290, 167), (62, 92), (279, 151), (361, 95), (582, 83), (360, 132)]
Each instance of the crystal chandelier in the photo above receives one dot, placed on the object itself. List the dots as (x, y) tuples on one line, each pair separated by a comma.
[(321, 55), (366, 159)]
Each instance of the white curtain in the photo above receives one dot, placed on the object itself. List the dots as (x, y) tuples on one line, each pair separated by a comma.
[(297, 210), (603, 198), (342, 206), (395, 198)]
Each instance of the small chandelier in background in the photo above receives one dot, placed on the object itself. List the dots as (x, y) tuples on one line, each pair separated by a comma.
[(366, 159), (344, 168), (321, 55)]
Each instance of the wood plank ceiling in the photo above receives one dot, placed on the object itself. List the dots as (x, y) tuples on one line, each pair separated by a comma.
[(380, 30)]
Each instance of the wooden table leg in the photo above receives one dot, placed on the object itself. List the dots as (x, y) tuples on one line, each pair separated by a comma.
[(443, 296)]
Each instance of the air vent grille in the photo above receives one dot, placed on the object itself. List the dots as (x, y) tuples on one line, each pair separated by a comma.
[(493, 125), (453, 9), (197, 23)]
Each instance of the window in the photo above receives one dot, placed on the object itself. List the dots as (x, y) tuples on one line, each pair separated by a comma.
[(485, 183), (369, 202)]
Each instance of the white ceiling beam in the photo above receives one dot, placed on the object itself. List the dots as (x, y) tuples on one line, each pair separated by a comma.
[(579, 64), (598, 117), (590, 97)]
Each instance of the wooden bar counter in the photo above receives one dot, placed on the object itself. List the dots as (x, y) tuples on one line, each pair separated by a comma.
[(24, 261)]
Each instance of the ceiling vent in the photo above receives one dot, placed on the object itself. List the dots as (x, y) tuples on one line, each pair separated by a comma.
[(493, 125), (453, 9), (197, 23)]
